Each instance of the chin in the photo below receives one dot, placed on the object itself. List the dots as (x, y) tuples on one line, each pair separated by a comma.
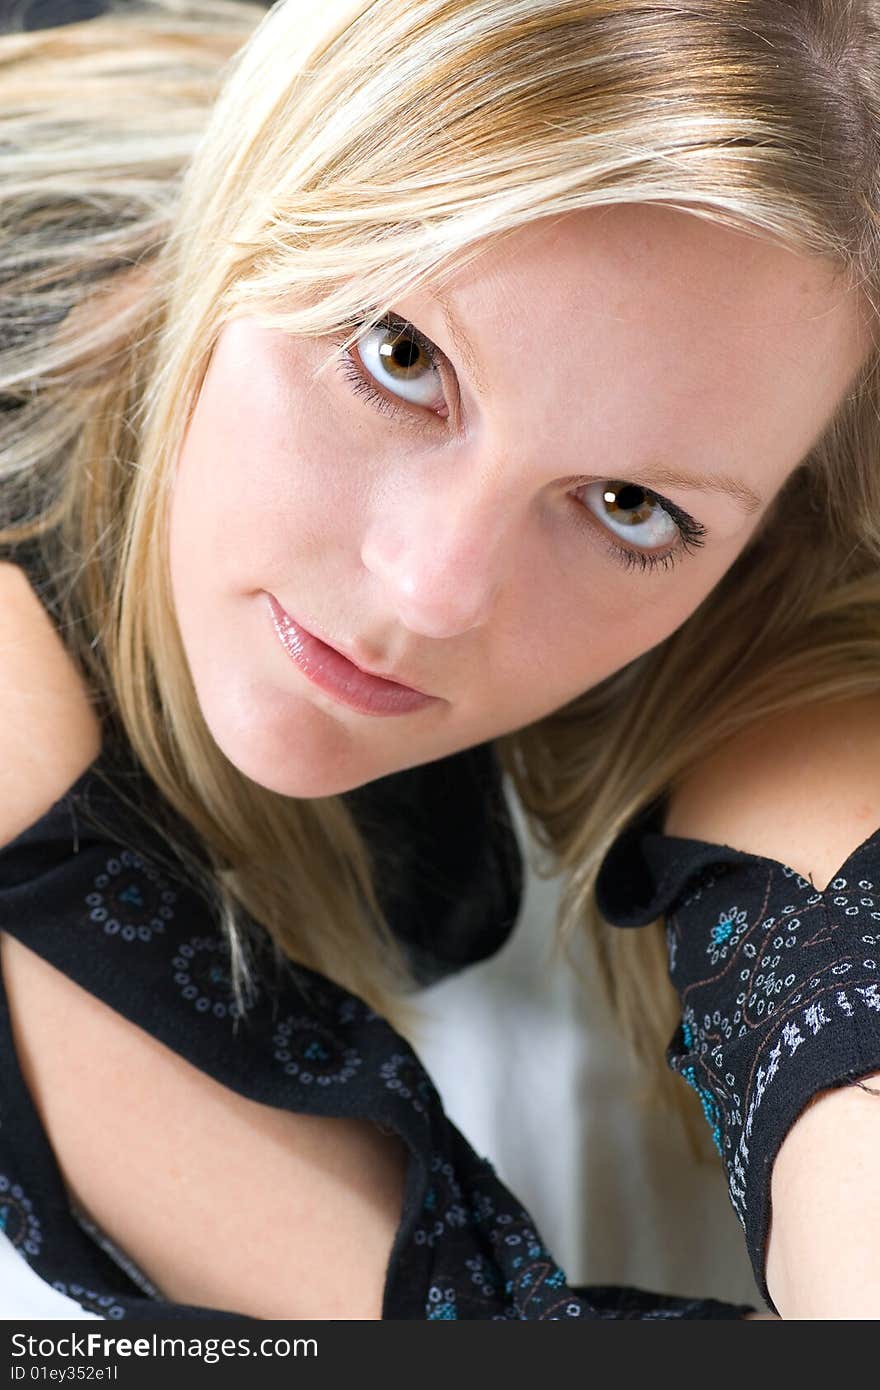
[(305, 779), (307, 756), (316, 788), (310, 784)]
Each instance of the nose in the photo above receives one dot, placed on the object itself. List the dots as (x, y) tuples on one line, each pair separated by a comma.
[(440, 558)]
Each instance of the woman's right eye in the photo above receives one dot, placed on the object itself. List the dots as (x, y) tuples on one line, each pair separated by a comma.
[(395, 356)]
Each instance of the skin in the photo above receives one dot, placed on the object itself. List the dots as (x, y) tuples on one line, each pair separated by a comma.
[(460, 544)]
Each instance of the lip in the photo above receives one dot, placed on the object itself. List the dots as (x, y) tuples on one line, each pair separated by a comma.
[(333, 673)]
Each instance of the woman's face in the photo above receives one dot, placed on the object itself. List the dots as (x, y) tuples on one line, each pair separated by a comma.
[(616, 398)]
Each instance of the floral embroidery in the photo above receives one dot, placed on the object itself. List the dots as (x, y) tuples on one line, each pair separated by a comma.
[(18, 1220), (726, 934), (130, 897), (201, 972), (441, 1303), (313, 1053)]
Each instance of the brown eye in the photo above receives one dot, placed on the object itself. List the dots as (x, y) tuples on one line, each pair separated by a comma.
[(402, 357), (402, 361), (634, 513)]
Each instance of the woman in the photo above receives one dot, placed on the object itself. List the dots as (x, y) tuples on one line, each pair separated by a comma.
[(301, 385)]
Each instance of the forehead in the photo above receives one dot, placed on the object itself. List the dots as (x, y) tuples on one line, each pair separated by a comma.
[(637, 261), (651, 331)]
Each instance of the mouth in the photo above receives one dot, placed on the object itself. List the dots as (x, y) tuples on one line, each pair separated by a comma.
[(340, 677)]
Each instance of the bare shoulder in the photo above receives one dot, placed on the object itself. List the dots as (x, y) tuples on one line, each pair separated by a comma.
[(823, 1257), (49, 732), (802, 788), (153, 1149)]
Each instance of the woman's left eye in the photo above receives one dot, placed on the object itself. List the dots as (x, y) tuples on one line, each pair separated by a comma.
[(657, 532), (395, 356)]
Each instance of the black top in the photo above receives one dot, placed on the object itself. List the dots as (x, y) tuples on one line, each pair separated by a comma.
[(88, 888), (778, 984)]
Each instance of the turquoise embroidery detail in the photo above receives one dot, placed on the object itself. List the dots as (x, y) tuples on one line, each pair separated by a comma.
[(707, 1100), (132, 894), (441, 1303), (443, 1310), (710, 1107), (722, 933)]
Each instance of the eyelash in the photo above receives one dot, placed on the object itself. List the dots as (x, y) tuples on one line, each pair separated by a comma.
[(692, 532), (364, 386), (692, 535)]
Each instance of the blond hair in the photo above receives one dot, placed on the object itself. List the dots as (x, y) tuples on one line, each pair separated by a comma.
[(312, 165)]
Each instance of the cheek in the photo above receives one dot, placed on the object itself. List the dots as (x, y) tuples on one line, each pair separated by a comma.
[(583, 633), (265, 480)]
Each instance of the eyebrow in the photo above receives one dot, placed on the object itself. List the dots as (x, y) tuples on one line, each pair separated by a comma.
[(746, 499)]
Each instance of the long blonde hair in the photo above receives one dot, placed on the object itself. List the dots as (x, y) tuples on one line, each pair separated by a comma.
[(176, 162)]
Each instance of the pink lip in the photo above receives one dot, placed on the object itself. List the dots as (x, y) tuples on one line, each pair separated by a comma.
[(337, 676)]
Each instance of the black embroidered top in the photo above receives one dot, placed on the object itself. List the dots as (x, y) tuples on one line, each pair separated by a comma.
[(778, 985), (89, 887)]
